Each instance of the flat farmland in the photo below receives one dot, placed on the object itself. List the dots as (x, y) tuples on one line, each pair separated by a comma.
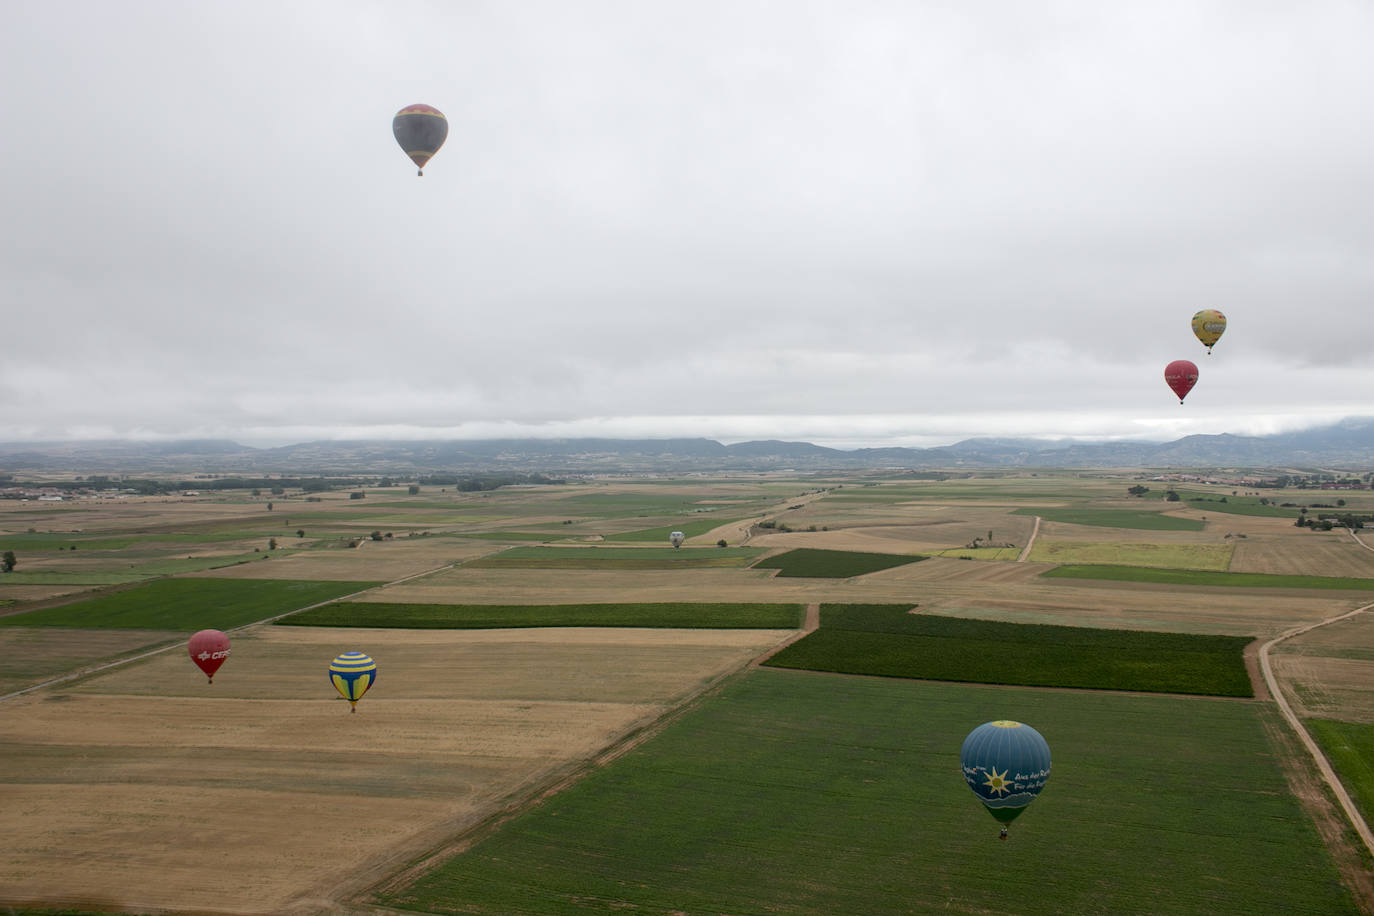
[(1134, 553), (107, 771), (147, 787), (1330, 670), (1277, 546)]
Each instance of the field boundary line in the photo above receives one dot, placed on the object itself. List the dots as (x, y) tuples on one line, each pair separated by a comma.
[(1025, 551), (1357, 539), (1323, 765), (86, 672)]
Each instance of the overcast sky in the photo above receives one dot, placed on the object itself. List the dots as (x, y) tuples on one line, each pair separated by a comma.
[(852, 223)]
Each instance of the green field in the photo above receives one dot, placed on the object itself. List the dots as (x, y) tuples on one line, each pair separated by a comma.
[(796, 793), (888, 640), (1350, 748), (618, 558), (660, 534), (1204, 577), (187, 604), (1168, 556), (487, 616), (1236, 505), (1116, 518), (807, 562)]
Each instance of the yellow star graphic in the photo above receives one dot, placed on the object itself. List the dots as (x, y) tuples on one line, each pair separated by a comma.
[(997, 782)]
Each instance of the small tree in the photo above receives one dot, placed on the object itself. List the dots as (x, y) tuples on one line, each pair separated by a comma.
[(300, 532), (271, 543), (8, 562), (376, 535), (721, 543), (269, 507), (356, 494), (413, 489)]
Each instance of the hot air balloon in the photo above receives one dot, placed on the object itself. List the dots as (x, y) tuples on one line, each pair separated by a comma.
[(1209, 325), (677, 537), (352, 673), (208, 649), (1006, 764), (421, 130), (1181, 375)]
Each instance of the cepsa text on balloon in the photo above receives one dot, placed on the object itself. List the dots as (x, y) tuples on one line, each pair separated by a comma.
[(222, 653)]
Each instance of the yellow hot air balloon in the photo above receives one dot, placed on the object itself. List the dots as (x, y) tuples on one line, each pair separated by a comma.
[(1208, 325)]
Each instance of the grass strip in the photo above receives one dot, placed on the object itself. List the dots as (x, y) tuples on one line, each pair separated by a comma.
[(188, 604), (1350, 748), (888, 641), (809, 562), (1116, 573), (493, 616), (792, 794)]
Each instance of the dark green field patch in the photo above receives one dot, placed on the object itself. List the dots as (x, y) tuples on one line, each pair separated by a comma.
[(887, 640), (619, 558), (799, 794), (1204, 577), (188, 604), (808, 562), (1350, 748), (1116, 518), (495, 616)]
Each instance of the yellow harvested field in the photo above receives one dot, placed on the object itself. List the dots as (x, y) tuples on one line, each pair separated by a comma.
[(1170, 555), (1279, 546), (261, 793)]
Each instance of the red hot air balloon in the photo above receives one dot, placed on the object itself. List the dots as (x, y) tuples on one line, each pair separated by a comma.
[(1181, 375), (209, 649)]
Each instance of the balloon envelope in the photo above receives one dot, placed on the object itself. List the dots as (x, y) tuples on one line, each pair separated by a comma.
[(420, 130), (1209, 325), (351, 674), (208, 649), (1181, 375), (677, 537), (1006, 764)]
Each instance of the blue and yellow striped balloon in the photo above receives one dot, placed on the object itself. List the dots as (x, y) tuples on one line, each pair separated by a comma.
[(1006, 764), (352, 673)]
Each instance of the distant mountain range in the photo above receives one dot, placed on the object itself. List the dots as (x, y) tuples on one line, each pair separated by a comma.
[(1348, 444)]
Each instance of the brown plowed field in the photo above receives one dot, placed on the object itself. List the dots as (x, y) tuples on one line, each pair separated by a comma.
[(261, 793)]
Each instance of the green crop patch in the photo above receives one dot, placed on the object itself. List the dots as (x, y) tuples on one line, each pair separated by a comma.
[(1205, 577), (660, 534), (619, 558), (1236, 505), (1116, 518), (1350, 748), (495, 616), (808, 562), (795, 794), (889, 641), (188, 604)]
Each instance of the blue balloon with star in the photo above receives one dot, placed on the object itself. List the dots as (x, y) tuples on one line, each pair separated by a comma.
[(1006, 764)]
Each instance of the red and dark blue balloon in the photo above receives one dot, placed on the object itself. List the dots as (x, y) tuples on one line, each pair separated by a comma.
[(1006, 764), (421, 130)]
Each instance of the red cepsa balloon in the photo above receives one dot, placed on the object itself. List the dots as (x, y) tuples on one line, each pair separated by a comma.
[(1181, 374), (209, 649)]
